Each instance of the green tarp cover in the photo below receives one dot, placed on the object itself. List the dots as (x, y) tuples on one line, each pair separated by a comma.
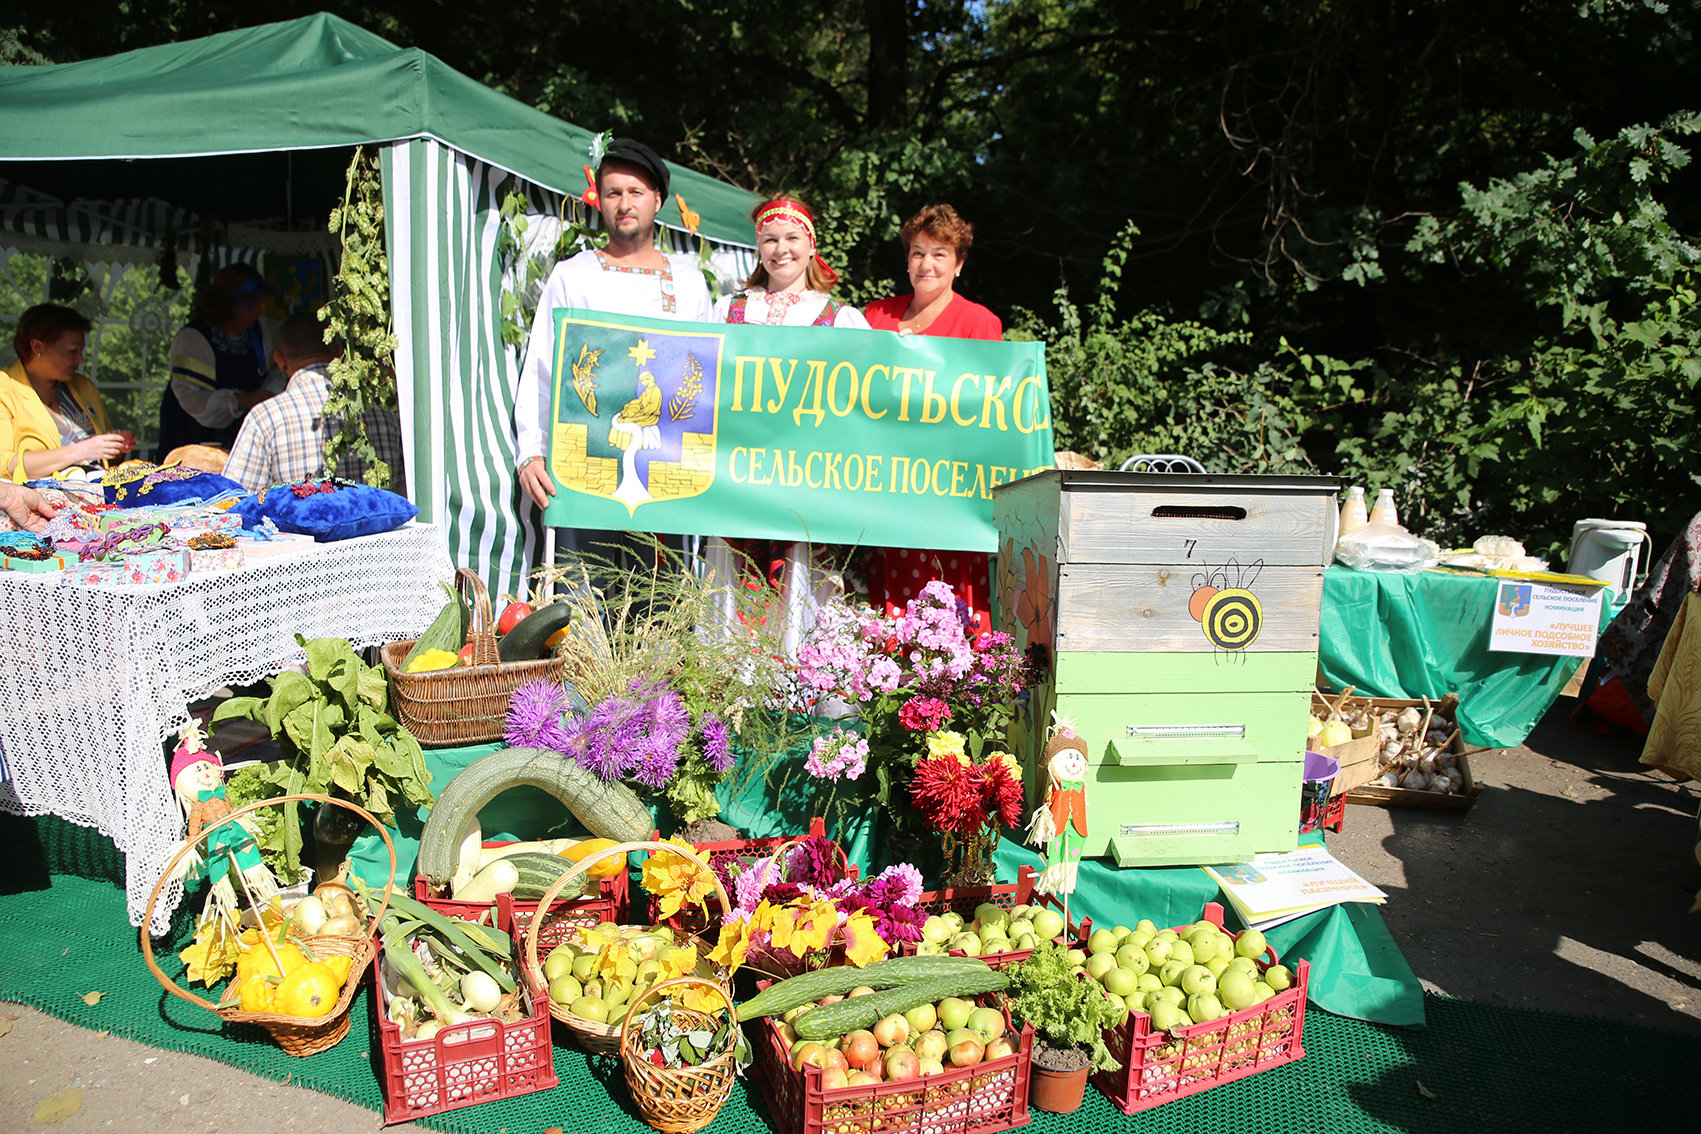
[(1356, 969), (309, 83), (1426, 635)]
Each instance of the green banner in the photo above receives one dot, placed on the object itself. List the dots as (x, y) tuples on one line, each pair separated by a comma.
[(832, 436)]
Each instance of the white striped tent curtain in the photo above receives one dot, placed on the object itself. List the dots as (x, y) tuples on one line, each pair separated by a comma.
[(456, 378)]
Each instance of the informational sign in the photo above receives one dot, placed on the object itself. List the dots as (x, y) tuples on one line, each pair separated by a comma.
[(808, 433), (1538, 618)]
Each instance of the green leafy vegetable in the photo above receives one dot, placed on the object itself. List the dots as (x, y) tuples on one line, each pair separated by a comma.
[(336, 738), (1070, 1011)]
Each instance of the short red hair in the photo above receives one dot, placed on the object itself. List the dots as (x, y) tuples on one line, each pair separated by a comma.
[(943, 224)]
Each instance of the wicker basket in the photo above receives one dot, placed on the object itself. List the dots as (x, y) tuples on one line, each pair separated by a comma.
[(679, 1100), (604, 1039), (297, 1035), (464, 704)]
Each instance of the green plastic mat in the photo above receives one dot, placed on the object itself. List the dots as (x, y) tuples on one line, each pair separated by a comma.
[(1503, 1069)]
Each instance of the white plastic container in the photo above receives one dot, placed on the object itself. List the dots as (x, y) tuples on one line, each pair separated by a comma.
[(1609, 550), (1384, 512), (1353, 513)]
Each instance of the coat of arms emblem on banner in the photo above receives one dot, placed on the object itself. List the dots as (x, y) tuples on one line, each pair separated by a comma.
[(635, 412)]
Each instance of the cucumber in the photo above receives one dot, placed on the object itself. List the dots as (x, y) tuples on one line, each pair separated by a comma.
[(611, 810), (538, 872), (448, 631), (784, 995), (865, 1011), (525, 642)]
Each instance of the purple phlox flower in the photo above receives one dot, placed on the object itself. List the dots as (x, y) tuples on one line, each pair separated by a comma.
[(840, 753), (717, 743)]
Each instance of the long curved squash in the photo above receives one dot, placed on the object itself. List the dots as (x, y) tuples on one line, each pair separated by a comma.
[(611, 810)]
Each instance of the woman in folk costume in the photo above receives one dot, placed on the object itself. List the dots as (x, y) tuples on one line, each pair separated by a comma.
[(1060, 823), (791, 287), (792, 284)]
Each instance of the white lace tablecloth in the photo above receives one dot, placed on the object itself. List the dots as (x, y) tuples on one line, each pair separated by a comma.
[(100, 676)]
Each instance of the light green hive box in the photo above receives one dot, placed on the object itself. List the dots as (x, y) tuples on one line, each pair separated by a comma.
[(1180, 612)]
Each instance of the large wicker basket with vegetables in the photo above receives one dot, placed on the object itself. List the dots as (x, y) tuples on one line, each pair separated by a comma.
[(465, 702), (613, 946), (284, 973)]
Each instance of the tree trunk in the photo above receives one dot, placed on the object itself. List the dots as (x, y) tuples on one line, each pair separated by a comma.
[(888, 63)]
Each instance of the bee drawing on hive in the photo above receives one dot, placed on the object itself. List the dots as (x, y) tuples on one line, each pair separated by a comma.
[(1225, 607)]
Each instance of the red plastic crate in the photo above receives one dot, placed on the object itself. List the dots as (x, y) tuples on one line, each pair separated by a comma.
[(611, 903), (1331, 814), (721, 854), (965, 899), (983, 1099), (464, 1064), (1158, 1068)]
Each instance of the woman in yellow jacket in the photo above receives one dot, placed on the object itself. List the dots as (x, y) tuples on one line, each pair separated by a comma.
[(51, 417)]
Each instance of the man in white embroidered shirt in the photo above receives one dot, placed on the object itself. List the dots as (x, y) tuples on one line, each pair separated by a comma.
[(629, 277), (282, 441)]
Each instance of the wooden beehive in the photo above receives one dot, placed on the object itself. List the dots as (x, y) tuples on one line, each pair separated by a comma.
[(1179, 615)]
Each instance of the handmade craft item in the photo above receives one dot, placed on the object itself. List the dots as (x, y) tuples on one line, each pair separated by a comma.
[(1059, 824), (197, 777)]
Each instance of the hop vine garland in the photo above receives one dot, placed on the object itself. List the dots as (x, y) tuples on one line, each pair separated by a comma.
[(358, 315)]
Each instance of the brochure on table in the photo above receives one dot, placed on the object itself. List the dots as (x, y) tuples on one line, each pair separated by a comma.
[(1274, 888)]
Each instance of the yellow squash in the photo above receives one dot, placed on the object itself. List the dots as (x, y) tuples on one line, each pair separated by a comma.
[(586, 848), (311, 990)]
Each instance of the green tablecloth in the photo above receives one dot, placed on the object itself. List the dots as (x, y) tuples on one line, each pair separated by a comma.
[(1356, 969), (1426, 635)]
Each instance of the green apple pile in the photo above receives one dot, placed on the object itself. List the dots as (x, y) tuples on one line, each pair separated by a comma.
[(1181, 977), (641, 957), (994, 930), (926, 1040)]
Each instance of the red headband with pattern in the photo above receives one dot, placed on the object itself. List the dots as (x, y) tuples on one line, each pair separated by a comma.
[(784, 208)]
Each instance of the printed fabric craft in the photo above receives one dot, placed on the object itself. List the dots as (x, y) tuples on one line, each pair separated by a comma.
[(142, 483), (328, 510)]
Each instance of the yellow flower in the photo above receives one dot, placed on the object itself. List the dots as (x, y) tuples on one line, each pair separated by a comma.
[(1008, 761), (862, 944), (946, 744), (813, 928), (215, 952), (676, 880), (734, 943), (699, 998)]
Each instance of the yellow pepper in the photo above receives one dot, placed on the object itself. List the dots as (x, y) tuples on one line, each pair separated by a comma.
[(429, 660)]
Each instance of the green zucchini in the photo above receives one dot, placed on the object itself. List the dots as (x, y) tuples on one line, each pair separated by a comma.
[(448, 631), (806, 988), (611, 810), (538, 872), (865, 1011), (525, 641)]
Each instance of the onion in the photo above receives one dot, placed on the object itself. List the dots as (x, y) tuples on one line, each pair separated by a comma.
[(427, 1030), (343, 925), (481, 991), (310, 915)]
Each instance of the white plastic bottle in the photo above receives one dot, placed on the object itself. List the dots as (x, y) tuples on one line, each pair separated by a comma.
[(1353, 515), (1384, 512)]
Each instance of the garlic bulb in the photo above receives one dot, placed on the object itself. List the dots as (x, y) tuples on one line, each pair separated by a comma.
[(1441, 784), (1389, 779), (1415, 780), (1408, 721), (1390, 750)]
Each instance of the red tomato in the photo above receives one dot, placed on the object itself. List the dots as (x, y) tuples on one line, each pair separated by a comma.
[(511, 616)]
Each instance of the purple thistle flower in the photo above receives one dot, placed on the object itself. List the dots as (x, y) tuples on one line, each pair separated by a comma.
[(717, 743), (534, 717)]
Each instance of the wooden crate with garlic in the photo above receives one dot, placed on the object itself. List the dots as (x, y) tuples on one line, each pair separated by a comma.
[(1396, 753)]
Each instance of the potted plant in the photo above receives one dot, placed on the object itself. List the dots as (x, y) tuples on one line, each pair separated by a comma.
[(1070, 1015)]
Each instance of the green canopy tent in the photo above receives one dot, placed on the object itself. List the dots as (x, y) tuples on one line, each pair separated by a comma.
[(244, 123)]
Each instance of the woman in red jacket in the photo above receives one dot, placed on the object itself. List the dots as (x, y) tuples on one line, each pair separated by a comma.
[(936, 240)]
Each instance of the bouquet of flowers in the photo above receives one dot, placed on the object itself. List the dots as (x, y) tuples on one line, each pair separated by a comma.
[(784, 927), (933, 703)]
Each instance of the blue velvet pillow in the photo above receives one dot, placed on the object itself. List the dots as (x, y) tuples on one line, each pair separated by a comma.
[(150, 484), (347, 511)]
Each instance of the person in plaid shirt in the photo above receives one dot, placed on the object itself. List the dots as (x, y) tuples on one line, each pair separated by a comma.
[(282, 441)]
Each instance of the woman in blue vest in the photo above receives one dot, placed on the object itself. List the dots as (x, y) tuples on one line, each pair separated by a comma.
[(220, 364)]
